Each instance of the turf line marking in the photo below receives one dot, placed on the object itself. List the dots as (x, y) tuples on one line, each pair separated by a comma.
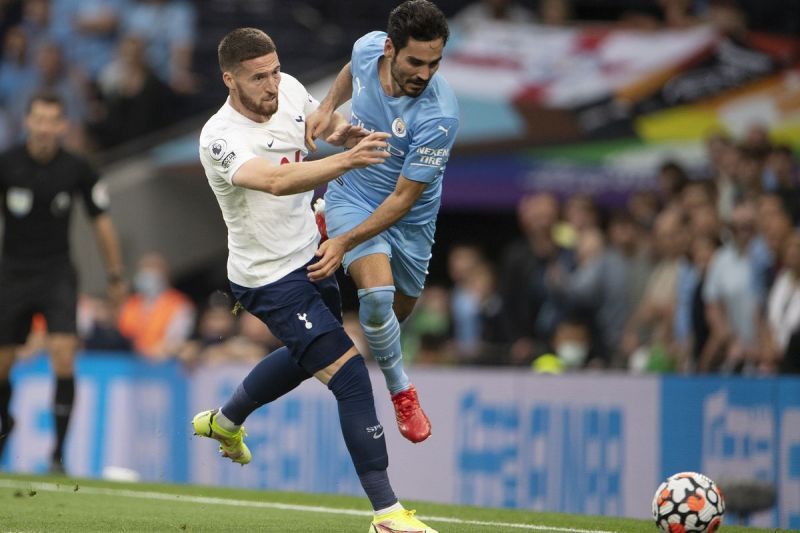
[(147, 495)]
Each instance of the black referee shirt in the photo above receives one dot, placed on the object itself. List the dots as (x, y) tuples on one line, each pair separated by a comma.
[(37, 204)]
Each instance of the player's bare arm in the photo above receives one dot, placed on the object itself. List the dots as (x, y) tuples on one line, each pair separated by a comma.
[(293, 178), (390, 211), (319, 121)]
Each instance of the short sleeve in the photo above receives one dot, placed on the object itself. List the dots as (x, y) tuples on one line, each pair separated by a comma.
[(367, 47), (430, 149), (223, 154), (93, 191), (310, 105)]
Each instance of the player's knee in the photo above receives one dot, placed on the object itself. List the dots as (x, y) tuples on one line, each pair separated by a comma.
[(351, 385), (375, 305)]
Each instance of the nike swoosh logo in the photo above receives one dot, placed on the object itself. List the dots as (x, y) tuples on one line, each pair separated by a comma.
[(378, 435), (270, 143)]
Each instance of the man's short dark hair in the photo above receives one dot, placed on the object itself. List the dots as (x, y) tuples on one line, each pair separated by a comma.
[(420, 20), (242, 44), (46, 97)]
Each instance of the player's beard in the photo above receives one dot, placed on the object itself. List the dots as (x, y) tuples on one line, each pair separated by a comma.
[(404, 81), (260, 107)]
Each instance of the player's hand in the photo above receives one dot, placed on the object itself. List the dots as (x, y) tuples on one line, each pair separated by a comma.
[(346, 135), (370, 150), (316, 124), (330, 253)]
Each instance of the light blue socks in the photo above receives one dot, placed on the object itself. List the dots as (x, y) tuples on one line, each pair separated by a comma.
[(382, 331)]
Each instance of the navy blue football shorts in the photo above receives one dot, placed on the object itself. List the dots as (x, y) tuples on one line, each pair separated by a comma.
[(299, 312)]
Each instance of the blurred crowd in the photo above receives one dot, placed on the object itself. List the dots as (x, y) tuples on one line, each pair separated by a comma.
[(702, 275), (121, 66)]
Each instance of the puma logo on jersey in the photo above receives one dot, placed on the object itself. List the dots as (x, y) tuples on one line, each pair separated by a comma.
[(299, 118), (304, 318), (359, 87), (445, 130)]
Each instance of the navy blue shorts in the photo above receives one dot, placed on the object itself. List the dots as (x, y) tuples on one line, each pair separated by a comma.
[(299, 311)]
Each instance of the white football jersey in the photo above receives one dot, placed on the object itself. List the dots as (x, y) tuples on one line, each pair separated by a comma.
[(268, 236)]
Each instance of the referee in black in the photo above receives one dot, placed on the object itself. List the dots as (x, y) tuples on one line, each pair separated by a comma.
[(39, 182)]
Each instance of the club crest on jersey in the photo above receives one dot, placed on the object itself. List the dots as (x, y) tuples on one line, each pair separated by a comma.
[(399, 127), (217, 149), (19, 201)]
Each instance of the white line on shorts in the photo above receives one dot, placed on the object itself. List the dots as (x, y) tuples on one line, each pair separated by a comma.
[(148, 495)]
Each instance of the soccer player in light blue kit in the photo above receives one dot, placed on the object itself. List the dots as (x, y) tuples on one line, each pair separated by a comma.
[(381, 219)]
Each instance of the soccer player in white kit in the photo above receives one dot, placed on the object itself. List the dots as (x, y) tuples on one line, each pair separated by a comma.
[(252, 151)]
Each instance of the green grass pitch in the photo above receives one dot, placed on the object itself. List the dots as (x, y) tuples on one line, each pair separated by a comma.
[(34, 504)]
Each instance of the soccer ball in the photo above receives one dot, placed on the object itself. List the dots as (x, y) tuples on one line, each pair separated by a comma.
[(688, 502)]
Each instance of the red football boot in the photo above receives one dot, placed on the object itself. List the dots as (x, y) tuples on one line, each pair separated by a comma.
[(411, 419)]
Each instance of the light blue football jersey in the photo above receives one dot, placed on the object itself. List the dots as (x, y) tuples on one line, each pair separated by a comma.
[(423, 132)]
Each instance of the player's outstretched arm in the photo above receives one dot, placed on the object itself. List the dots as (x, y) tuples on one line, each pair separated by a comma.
[(318, 122), (393, 208), (294, 178)]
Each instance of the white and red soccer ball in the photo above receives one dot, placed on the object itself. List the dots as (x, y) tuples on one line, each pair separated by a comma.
[(688, 502)]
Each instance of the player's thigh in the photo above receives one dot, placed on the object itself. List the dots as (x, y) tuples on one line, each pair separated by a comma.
[(296, 313), (411, 255), (18, 303), (373, 270), (59, 300), (342, 217), (329, 290)]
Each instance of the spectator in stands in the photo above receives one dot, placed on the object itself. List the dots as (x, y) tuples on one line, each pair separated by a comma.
[(580, 214), (780, 177), (215, 328), (747, 176), (88, 31), (131, 95), (723, 158), (37, 23), (16, 71), (643, 207), (572, 343), (672, 179), (426, 332), (597, 292), (627, 240), (97, 325), (53, 75), (168, 29), (697, 194), (475, 307), (491, 10), (782, 341), (649, 330), (465, 305), (530, 272), (158, 318), (690, 328), (733, 294), (704, 221)]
